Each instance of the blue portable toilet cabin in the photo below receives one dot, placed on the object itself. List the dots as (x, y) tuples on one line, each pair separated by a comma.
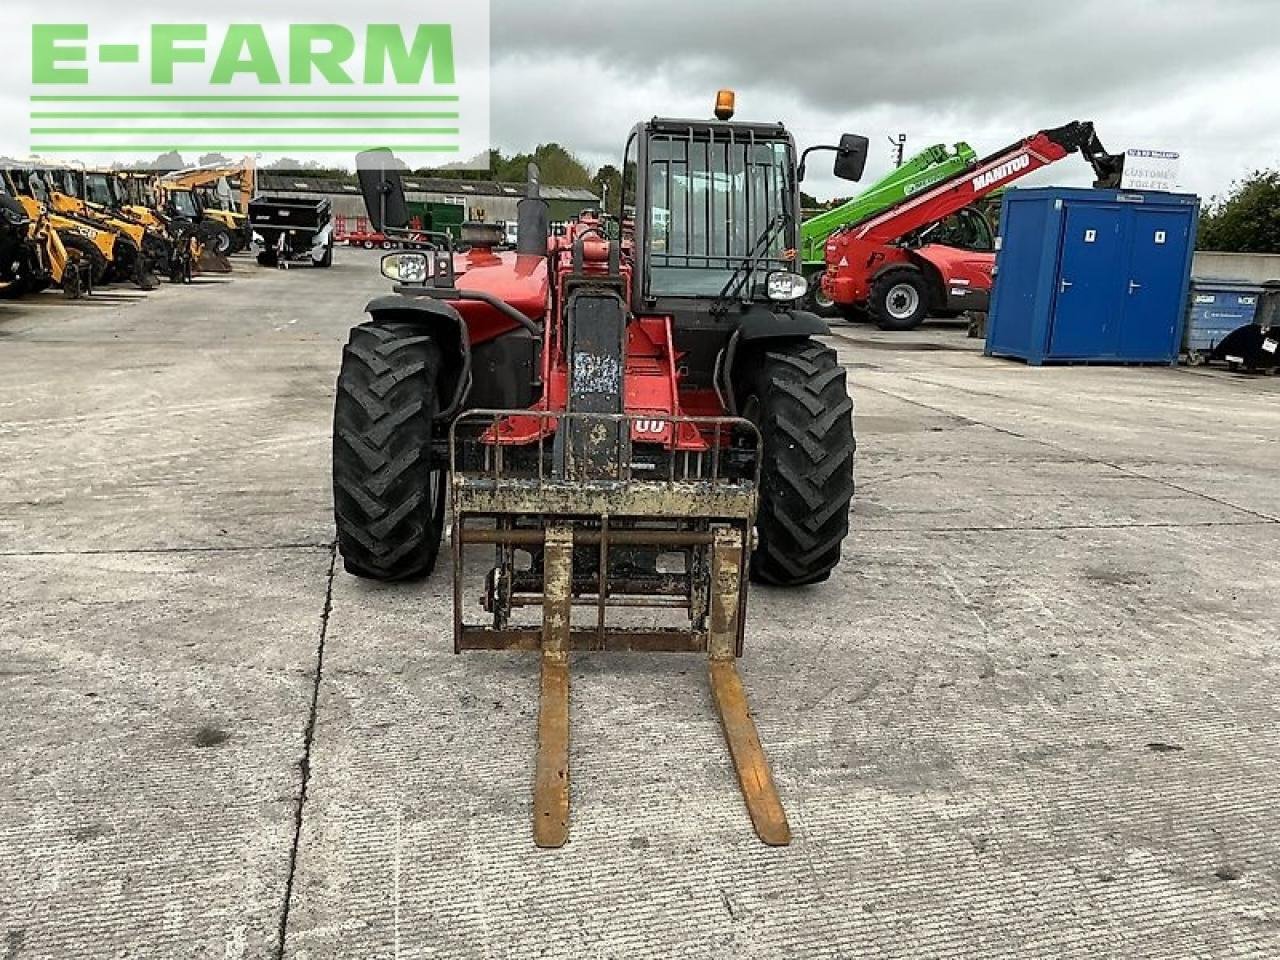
[(1092, 276)]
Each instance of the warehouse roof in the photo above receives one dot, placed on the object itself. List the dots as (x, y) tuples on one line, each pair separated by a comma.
[(276, 182)]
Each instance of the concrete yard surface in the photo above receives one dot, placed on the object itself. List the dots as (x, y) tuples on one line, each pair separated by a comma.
[(1034, 714)]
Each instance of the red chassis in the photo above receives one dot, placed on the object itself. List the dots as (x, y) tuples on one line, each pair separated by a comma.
[(651, 379)]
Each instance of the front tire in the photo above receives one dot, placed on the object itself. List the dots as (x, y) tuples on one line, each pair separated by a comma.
[(388, 491), (799, 400), (90, 253), (899, 299), (220, 241)]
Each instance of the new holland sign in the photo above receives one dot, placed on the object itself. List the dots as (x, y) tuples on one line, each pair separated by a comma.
[(264, 79)]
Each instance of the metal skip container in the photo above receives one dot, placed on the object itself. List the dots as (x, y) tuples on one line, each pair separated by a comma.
[(1255, 346), (1218, 308)]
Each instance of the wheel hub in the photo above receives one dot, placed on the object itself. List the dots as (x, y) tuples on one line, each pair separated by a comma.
[(903, 301)]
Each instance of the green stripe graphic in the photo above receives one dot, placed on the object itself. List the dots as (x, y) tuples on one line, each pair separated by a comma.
[(262, 148), (238, 115), (202, 131), (243, 99)]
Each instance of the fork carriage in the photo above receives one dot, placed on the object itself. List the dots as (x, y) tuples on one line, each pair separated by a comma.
[(585, 534)]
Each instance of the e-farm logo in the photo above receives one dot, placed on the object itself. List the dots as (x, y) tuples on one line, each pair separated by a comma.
[(317, 92)]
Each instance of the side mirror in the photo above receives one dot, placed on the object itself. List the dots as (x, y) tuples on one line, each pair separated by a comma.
[(851, 157), (379, 174)]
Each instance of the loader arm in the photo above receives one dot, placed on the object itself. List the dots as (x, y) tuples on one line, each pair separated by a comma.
[(193, 178), (858, 256), (992, 173), (930, 166)]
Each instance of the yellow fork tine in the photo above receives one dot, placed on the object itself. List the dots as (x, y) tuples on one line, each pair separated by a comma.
[(754, 776), (551, 780)]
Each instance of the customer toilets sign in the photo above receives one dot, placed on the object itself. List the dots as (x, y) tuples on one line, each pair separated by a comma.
[(315, 81), (1150, 170)]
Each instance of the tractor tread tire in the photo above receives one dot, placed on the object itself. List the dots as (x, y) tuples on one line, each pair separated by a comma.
[(877, 305), (389, 526), (804, 413)]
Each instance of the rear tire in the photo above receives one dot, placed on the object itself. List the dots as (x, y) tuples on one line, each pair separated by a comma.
[(388, 492), (326, 261), (799, 400), (899, 299)]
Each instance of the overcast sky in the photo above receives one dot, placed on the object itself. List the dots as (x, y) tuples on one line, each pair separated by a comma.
[(1198, 76)]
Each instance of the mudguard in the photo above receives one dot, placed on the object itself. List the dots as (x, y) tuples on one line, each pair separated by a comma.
[(760, 325), (446, 326)]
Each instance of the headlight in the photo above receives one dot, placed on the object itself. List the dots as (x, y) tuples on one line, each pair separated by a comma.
[(783, 285), (406, 267)]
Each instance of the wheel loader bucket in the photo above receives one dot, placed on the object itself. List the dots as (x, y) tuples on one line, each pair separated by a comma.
[(207, 261), (594, 532)]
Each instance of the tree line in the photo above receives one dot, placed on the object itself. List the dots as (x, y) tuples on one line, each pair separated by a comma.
[(1246, 219)]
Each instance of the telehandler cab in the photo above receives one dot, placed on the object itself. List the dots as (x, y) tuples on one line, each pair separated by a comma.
[(631, 428)]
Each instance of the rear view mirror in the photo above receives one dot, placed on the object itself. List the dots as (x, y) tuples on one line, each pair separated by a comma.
[(851, 157), (383, 190)]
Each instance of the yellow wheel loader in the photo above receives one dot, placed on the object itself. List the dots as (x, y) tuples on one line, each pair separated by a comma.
[(32, 256), (224, 231), (165, 249), (141, 198), (139, 260), (108, 252)]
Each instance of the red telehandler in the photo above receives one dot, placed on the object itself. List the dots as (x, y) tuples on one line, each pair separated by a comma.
[(627, 424), (929, 253)]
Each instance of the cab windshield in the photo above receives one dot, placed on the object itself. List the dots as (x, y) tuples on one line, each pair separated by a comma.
[(184, 204), (711, 198), (98, 189)]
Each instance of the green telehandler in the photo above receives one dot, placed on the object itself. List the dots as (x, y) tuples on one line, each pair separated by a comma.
[(926, 168)]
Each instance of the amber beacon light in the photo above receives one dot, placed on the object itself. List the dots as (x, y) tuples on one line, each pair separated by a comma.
[(724, 105)]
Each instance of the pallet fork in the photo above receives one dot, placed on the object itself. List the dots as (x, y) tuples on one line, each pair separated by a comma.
[(588, 539)]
